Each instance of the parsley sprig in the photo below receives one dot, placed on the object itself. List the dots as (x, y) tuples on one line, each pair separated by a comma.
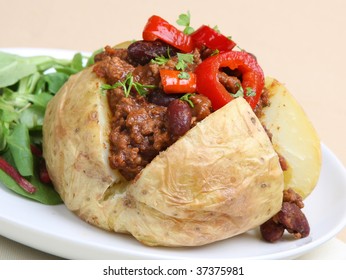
[(240, 92), (160, 60), (127, 86), (186, 98), (184, 75), (184, 20), (183, 60)]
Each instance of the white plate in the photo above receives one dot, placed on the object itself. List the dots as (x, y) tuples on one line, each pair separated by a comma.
[(55, 230)]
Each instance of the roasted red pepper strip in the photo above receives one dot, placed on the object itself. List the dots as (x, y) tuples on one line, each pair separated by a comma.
[(158, 28), (209, 85), (209, 37), (174, 81)]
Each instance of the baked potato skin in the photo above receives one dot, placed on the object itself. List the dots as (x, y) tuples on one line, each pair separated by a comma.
[(75, 148), (220, 179), (293, 137)]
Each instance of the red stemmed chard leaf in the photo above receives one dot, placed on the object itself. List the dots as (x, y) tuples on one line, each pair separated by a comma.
[(14, 174)]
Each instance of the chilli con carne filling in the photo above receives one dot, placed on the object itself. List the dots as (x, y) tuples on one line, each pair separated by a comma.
[(145, 118)]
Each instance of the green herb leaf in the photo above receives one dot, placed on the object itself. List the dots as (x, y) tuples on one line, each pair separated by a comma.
[(127, 85), (216, 28), (142, 89), (107, 86), (186, 97), (160, 60), (215, 52), (184, 20), (239, 93), (184, 75), (250, 92), (183, 60)]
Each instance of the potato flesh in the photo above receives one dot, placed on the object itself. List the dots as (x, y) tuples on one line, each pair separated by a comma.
[(293, 137)]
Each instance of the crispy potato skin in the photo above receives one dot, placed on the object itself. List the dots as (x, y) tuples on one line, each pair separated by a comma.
[(293, 137), (220, 179)]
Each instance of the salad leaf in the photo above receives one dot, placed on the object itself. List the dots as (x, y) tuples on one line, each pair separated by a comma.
[(44, 193), (77, 62), (27, 84), (19, 146), (11, 70), (14, 67), (54, 81)]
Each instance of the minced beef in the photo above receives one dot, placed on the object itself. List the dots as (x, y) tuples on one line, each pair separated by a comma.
[(138, 132), (113, 69), (140, 128)]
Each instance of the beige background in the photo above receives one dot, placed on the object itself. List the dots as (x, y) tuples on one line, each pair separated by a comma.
[(301, 43)]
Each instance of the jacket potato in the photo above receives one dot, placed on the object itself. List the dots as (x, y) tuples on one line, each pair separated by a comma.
[(221, 178)]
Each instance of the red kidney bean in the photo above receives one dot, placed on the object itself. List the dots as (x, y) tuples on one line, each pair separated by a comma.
[(159, 97), (272, 231), (294, 220), (141, 52), (289, 218), (179, 116)]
